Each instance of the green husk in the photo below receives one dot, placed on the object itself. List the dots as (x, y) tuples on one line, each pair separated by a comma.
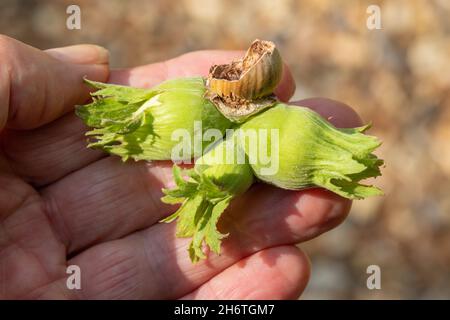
[(311, 152), (210, 187), (140, 123)]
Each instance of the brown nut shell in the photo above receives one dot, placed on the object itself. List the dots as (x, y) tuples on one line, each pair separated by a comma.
[(253, 77)]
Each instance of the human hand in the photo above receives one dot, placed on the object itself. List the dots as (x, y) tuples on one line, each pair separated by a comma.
[(63, 204)]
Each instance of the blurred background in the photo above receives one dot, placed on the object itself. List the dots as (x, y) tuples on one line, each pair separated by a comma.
[(397, 77)]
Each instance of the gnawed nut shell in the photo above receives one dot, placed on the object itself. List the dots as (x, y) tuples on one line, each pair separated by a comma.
[(253, 77), (245, 86)]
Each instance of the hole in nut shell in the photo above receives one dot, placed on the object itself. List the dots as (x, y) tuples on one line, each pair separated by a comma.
[(235, 69)]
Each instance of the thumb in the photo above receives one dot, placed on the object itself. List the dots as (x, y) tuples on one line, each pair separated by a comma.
[(37, 87)]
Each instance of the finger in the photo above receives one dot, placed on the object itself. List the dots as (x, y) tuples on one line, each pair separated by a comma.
[(81, 54), (275, 273), (195, 63), (109, 199), (336, 112), (286, 88), (44, 155), (37, 88), (147, 262), (191, 64)]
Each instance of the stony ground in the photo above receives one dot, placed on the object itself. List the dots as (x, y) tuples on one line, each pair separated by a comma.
[(397, 77)]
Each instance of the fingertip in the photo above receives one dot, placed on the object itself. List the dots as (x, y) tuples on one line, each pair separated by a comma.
[(294, 267), (338, 113), (286, 270), (275, 273), (286, 88), (320, 210)]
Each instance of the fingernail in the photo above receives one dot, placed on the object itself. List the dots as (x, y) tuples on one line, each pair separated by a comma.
[(81, 54)]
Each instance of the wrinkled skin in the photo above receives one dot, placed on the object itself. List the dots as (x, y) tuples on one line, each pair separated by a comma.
[(63, 204)]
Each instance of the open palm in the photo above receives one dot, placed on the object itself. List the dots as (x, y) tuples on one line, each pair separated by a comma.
[(63, 204)]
